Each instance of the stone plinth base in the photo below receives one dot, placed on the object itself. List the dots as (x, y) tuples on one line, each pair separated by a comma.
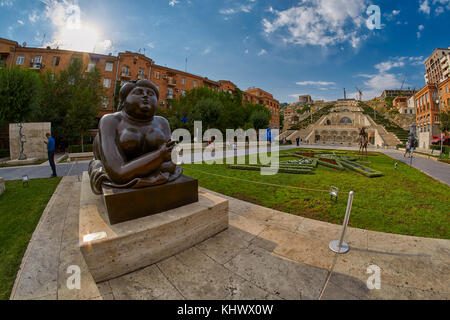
[(114, 250), (21, 162), (129, 204)]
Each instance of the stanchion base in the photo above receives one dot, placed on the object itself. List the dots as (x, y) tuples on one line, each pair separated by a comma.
[(334, 246)]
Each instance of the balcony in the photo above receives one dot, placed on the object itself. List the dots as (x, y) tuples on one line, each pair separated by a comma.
[(171, 82), (141, 76), (36, 66), (125, 75)]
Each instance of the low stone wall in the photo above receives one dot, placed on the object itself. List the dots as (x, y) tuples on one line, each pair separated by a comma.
[(34, 147)]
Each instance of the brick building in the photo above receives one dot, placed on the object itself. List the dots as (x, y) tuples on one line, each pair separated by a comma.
[(427, 114), (265, 98), (444, 95), (117, 70), (434, 67)]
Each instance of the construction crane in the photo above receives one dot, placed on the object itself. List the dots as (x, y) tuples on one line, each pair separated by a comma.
[(404, 79), (360, 94)]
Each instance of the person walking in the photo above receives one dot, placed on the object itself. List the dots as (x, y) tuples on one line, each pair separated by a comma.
[(298, 141), (408, 149), (51, 153)]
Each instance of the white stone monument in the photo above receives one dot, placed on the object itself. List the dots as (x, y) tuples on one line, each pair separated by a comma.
[(31, 136)]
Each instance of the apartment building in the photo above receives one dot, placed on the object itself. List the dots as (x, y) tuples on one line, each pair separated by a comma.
[(444, 95), (265, 98), (305, 99), (117, 70), (435, 68), (427, 114), (402, 104), (395, 93)]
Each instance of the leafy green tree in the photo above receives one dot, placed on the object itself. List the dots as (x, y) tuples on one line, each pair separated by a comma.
[(444, 118), (260, 120), (71, 101), (20, 94)]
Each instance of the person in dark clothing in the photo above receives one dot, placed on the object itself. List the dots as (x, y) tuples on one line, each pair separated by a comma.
[(298, 141), (51, 153)]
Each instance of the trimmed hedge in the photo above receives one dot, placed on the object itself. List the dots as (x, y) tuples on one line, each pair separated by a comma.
[(360, 169), (77, 148), (280, 170)]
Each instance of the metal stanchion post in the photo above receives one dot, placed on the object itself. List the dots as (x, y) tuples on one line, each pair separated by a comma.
[(339, 246)]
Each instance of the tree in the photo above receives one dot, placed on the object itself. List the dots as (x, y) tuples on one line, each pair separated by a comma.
[(19, 94), (444, 118), (71, 101), (260, 120)]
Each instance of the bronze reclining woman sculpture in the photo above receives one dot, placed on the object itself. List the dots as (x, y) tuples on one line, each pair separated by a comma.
[(133, 149)]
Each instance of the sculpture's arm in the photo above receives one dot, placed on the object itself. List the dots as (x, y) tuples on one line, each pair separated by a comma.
[(114, 162)]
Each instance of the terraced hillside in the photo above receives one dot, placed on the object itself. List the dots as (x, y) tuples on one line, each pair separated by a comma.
[(390, 126), (315, 117)]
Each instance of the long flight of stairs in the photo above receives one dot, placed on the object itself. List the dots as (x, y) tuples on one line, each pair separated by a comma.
[(398, 132)]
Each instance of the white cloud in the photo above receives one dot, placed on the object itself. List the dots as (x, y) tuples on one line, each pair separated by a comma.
[(420, 28), (206, 51), (246, 51), (425, 7), (20, 22), (172, 3), (319, 22), (315, 83), (239, 8), (151, 45), (262, 52), (6, 3), (70, 32), (33, 17)]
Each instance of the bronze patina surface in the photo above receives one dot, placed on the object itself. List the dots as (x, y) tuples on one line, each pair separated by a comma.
[(133, 148), (129, 204)]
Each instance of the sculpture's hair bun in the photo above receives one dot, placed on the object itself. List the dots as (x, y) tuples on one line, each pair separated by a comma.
[(126, 89)]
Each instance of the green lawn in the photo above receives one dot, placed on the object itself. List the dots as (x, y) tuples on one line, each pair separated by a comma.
[(403, 201), (20, 211)]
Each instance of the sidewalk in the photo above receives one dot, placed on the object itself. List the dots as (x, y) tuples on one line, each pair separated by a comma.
[(265, 254)]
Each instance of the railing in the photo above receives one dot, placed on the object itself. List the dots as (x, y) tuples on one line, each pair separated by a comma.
[(125, 74), (171, 82)]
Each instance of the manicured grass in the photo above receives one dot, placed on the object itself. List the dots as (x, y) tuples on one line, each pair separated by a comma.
[(403, 201), (20, 211)]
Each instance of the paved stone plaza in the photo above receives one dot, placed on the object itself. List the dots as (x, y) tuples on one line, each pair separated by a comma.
[(265, 254)]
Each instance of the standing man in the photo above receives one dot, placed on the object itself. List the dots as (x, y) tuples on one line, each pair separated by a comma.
[(298, 141), (51, 153), (408, 149)]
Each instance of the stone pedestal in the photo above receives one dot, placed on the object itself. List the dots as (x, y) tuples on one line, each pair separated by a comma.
[(148, 201), (114, 250)]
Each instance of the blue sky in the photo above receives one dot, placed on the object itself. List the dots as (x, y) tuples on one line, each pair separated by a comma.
[(286, 47)]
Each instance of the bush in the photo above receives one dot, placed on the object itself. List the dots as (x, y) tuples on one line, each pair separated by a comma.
[(445, 149), (4, 153), (78, 149)]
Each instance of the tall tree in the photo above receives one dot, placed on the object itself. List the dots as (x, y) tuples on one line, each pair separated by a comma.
[(19, 94)]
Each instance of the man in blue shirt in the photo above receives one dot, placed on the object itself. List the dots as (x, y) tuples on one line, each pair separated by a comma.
[(51, 153)]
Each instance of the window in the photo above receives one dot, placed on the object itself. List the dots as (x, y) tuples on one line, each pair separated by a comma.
[(38, 59), (109, 66), (105, 102), (20, 60), (141, 71), (107, 83), (169, 93), (55, 61), (195, 84), (125, 70), (183, 81), (90, 67), (183, 93), (157, 75)]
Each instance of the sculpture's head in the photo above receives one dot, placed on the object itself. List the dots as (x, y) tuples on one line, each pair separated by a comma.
[(139, 99)]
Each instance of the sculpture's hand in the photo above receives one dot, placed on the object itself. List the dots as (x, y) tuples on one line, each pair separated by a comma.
[(168, 150)]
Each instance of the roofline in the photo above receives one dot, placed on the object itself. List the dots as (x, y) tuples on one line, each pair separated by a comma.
[(19, 48), (185, 73)]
